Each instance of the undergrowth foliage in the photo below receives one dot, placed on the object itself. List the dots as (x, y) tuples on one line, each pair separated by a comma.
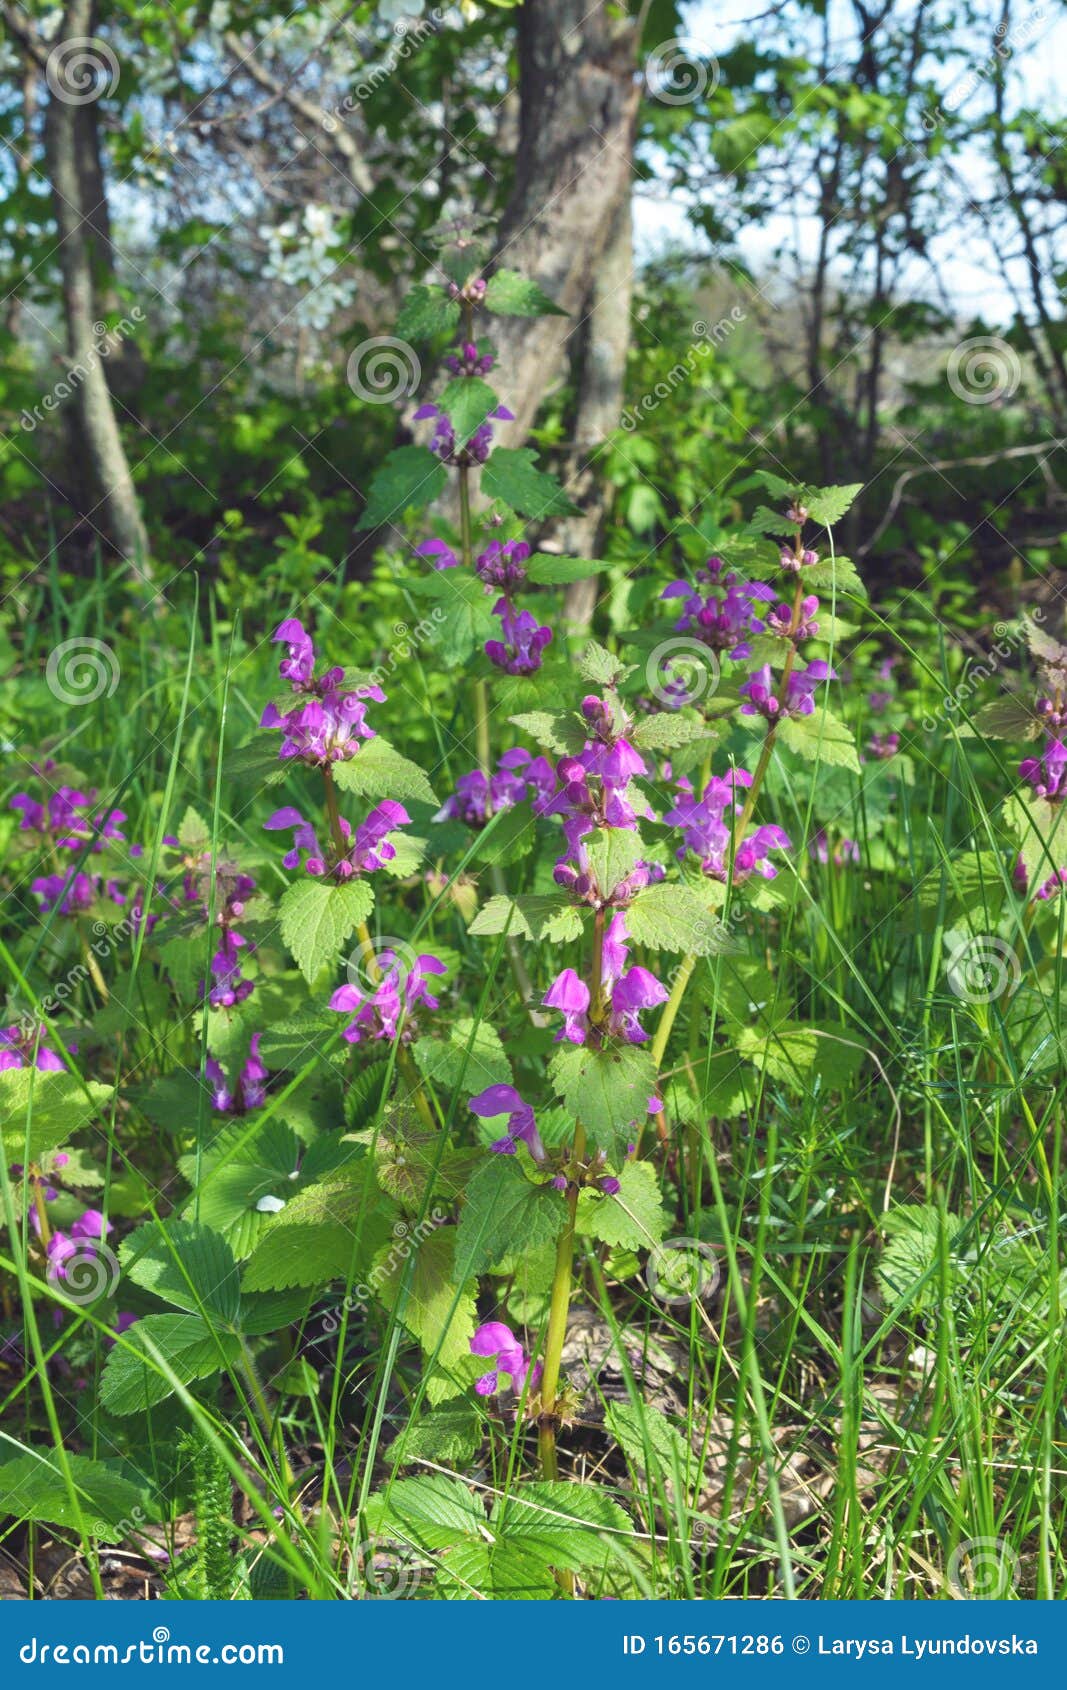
[(394, 1072)]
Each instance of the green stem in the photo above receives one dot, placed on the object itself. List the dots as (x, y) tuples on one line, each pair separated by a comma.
[(272, 1430)]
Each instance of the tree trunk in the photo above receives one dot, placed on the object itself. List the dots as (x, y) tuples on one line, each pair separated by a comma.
[(600, 390), (114, 504), (579, 94)]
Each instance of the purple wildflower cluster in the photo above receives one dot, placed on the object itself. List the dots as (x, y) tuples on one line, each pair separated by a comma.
[(625, 990), (387, 1010), (369, 848), (497, 1342), (724, 616), (710, 837), (327, 720), (249, 1088), (443, 443), (519, 776)]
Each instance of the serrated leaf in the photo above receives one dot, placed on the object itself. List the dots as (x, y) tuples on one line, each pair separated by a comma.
[(1007, 718), (409, 479), (540, 915), (558, 730), (472, 1054), (256, 761), (427, 312), (608, 1090), (634, 1219), (33, 1487), (467, 401), (548, 570), (664, 732), (447, 1435), (668, 916), (131, 1379), (829, 504), (820, 738), (330, 1230), (613, 853), (40, 1110), (512, 476), (650, 1442), (504, 1213), (421, 1284), (379, 771), (601, 666), (834, 575), (184, 1263), (510, 294), (317, 916)]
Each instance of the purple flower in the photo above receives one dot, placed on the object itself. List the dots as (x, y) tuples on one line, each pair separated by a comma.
[(70, 894), (442, 554), (720, 622), (519, 652), (845, 851), (709, 835), (17, 1050), (1053, 886), (328, 721), (443, 439), (505, 1100), (495, 1339), (518, 776), (369, 851), (1046, 773), (248, 1091), (626, 991), (469, 361), (90, 1224), (761, 694), (884, 746), (501, 564), (387, 1010), (66, 819), (780, 620)]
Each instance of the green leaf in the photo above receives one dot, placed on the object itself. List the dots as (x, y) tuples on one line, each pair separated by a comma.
[(426, 313), (551, 571), (186, 1264), (428, 1294), (671, 917), (463, 617), (600, 666), (558, 730), (829, 504), (330, 1230), (834, 575), (410, 478), (510, 294), (40, 1110), (317, 916), (614, 853), (1007, 718), (467, 401), (664, 731), (33, 1487), (448, 1435), (504, 1213), (820, 738), (607, 1089), (633, 1219), (541, 915), (131, 1380), (379, 771), (920, 1240), (512, 476), (473, 1054), (650, 1442), (256, 761)]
